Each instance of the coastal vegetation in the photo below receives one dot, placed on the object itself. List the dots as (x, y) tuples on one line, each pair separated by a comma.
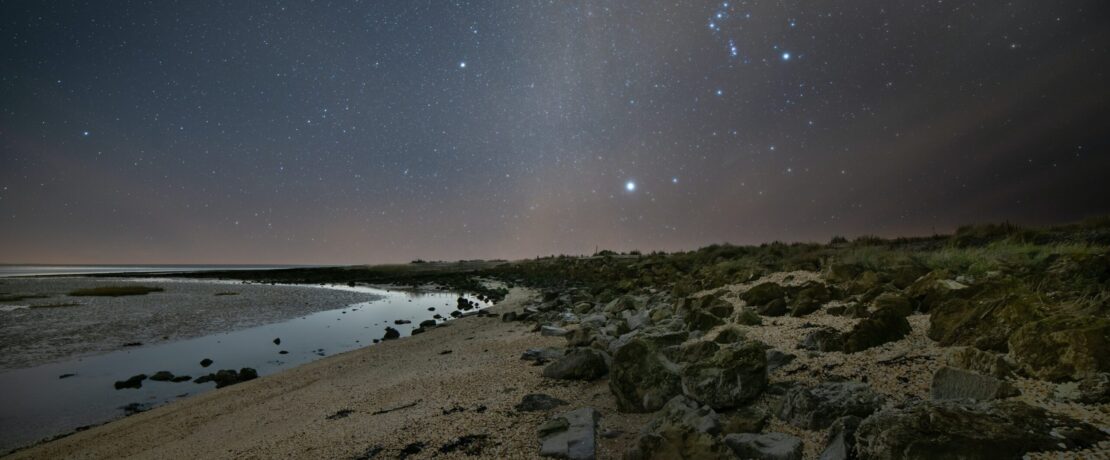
[(114, 291)]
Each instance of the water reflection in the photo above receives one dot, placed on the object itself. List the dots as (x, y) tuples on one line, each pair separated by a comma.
[(38, 403)]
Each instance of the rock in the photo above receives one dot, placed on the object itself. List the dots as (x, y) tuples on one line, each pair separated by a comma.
[(509, 316), (66, 376), (883, 326), (1091, 390), (777, 359), (391, 334), (581, 337), (816, 407), (622, 303), (538, 402), (730, 335), (969, 430), (572, 435), (227, 377), (949, 383), (809, 299), (855, 310), (842, 439), (1061, 347), (770, 446), (642, 377), (777, 307), (702, 321), (181, 378), (933, 289), (749, 318), (552, 331), (162, 376), (734, 375), (763, 294), (823, 339), (747, 419), (892, 302), (542, 354), (205, 362), (277, 341), (836, 310), (681, 430), (983, 362), (136, 381), (986, 320), (596, 320), (579, 364), (401, 321)]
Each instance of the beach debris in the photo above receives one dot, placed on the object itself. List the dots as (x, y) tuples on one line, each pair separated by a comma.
[(342, 413), (404, 406), (471, 444), (412, 449)]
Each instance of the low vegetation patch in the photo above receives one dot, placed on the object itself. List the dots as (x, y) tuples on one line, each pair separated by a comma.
[(221, 294), (56, 305), (115, 291)]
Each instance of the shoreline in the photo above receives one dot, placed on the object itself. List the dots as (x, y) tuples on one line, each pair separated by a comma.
[(326, 408)]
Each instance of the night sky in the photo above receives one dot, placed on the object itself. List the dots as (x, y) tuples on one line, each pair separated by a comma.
[(361, 132)]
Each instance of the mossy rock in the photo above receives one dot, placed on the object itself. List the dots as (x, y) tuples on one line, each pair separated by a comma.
[(763, 293), (809, 299), (893, 302), (642, 377), (1063, 347), (749, 318), (986, 320), (734, 375), (933, 289), (883, 326)]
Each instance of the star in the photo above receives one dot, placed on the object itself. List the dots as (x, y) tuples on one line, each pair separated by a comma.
[(85, 133), (462, 64), (630, 186), (786, 56)]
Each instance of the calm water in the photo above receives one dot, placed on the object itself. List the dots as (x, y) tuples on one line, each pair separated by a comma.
[(38, 270), (36, 404)]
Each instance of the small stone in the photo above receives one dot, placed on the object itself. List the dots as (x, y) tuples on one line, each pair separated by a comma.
[(949, 383), (770, 446), (572, 435)]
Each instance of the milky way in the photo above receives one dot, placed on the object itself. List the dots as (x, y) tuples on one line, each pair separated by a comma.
[(346, 132)]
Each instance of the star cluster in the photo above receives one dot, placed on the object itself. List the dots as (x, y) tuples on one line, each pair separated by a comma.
[(355, 132)]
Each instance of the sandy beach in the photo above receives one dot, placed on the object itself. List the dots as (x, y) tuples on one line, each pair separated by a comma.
[(464, 379)]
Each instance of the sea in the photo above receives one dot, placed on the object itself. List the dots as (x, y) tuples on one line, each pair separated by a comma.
[(45, 270)]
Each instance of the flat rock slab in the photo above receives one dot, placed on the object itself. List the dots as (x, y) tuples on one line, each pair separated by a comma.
[(572, 435), (951, 383), (770, 446)]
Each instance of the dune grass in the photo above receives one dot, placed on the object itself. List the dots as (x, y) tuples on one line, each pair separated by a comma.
[(115, 291)]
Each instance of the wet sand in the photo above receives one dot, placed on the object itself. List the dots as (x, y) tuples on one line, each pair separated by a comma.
[(39, 330)]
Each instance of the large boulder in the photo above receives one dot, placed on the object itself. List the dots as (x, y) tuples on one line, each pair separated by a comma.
[(579, 364), (985, 320), (949, 383), (732, 376), (969, 430), (572, 435), (683, 429), (770, 446), (1062, 347), (1091, 390), (817, 407), (809, 299), (642, 375), (881, 327), (763, 294), (893, 302)]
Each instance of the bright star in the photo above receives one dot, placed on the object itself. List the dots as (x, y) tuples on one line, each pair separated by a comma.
[(630, 186), (786, 56), (462, 65), (720, 92), (674, 180), (86, 133)]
